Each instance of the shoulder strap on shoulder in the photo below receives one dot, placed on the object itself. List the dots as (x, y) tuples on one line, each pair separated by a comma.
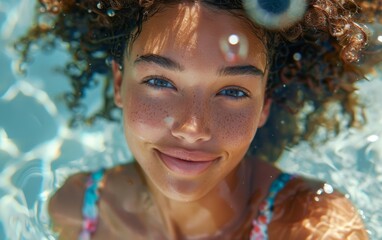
[(90, 208), (259, 230)]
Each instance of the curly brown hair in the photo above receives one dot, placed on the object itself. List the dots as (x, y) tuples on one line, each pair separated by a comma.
[(312, 63)]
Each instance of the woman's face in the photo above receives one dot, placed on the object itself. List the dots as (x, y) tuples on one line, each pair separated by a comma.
[(192, 101)]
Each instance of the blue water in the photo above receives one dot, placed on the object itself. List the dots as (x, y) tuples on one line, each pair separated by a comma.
[(38, 151)]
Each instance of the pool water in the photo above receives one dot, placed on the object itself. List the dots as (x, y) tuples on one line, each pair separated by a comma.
[(38, 151)]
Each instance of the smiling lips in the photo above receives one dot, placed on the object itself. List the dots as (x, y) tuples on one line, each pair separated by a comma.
[(186, 162)]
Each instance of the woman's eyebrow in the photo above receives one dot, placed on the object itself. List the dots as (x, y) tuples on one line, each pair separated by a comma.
[(240, 70), (162, 61), (170, 64)]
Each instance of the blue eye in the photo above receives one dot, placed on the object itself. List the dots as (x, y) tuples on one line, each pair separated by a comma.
[(233, 93), (157, 82)]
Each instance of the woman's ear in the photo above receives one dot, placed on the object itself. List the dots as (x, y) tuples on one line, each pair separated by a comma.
[(265, 112), (118, 77)]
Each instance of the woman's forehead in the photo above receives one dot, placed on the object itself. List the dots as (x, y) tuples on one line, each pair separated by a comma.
[(194, 29)]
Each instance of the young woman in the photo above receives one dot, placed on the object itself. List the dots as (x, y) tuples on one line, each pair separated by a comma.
[(210, 94)]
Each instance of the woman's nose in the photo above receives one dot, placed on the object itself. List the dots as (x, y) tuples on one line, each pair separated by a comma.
[(192, 125)]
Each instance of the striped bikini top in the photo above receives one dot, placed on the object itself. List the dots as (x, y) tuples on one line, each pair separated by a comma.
[(259, 224)]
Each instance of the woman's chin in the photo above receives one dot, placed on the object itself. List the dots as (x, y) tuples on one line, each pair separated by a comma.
[(184, 191)]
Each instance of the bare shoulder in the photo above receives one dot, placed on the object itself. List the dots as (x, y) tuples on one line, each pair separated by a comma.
[(123, 185), (309, 209), (65, 206)]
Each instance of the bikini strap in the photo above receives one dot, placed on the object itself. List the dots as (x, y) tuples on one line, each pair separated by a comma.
[(90, 208), (260, 224)]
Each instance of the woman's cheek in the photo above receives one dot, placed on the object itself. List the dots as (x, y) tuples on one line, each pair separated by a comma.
[(236, 128), (145, 117)]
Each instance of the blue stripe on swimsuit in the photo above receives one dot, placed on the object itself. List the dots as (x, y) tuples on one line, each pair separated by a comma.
[(260, 224), (90, 208)]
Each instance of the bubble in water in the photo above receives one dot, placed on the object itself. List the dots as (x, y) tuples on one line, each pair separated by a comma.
[(328, 188), (42, 9), (274, 6), (372, 138), (233, 39), (99, 5), (55, 9), (234, 47), (297, 56), (110, 12), (276, 14)]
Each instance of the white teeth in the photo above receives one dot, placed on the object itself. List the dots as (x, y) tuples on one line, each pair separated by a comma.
[(276, 14)]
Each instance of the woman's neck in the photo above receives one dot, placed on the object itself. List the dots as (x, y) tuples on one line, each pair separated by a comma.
[(227, 207)]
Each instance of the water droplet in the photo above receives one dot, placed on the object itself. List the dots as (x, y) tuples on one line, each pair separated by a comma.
[(233, 39), (317, 199), (328, 188), (362, 214), (42, 9), (319, 191), (297, 56), (234, 47), (55, 9), (372, 138), (99, 5), (110, 12)]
